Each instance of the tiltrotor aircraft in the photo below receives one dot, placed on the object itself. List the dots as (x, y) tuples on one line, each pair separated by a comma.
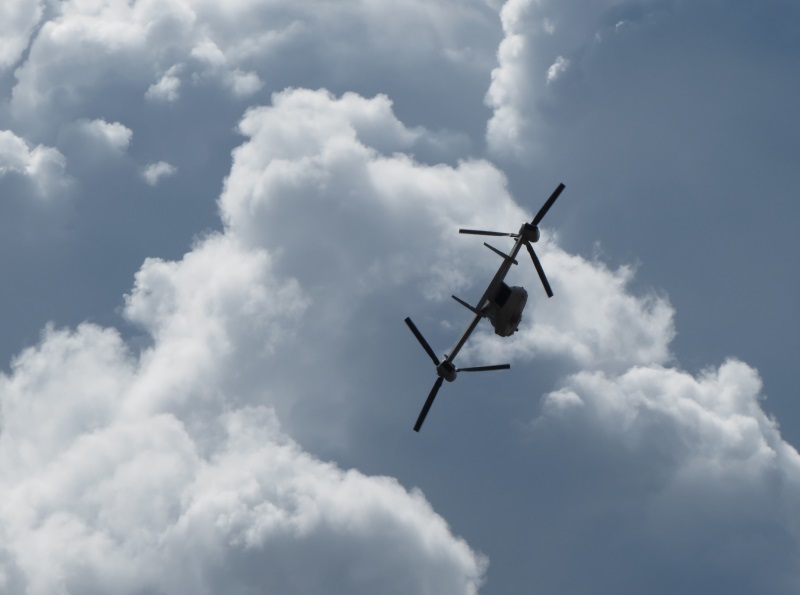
[(500, 304)]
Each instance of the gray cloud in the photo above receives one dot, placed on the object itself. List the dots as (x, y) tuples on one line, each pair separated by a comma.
[(127, 472), (672, 124), (150, 51), (154, 172), (696, 487), (186, 451), (17, 21), (597, 322), (42, 167), (668, 428)]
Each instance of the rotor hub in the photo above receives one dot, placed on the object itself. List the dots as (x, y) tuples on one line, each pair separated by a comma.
[(530, 233), (447, 371)]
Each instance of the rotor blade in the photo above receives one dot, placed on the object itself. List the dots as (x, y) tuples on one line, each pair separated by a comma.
[(546, 206), (422, 341), (427, 406), (480, 232), (539, 269), (485, 368)]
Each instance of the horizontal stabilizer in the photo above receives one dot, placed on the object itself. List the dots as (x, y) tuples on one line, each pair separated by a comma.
[(498, 252), (467, 306)]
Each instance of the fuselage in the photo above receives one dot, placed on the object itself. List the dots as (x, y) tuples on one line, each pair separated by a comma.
[(505, 309)]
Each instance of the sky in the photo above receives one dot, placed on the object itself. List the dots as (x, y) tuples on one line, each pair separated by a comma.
[(214, 218)]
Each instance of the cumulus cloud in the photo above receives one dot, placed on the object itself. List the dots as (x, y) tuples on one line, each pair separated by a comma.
[(539, 41), (234, 500), (41, 166), (167, 88), (85, 44), (596, 322), (607, 76), (688, 467), (218, 65), (133, 472), (167, 469), (194, 409), (317, 168), (17, 21), (339, 157), (192, 462), (665, 109), (243, 84), (154, 172), (105, 136), (557, 68), (718, 424), (94, 145), (165, 50)]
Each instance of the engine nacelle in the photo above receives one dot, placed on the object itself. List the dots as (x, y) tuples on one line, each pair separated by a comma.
[(530, 233), (505, 309), (446, 370)]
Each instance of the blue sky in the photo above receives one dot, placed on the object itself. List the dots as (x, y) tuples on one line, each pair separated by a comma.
[(214, 218)]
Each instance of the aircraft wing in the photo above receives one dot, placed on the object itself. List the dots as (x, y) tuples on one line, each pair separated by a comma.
[(452, 355)]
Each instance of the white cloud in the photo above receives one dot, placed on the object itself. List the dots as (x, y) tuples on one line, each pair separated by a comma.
[(595, 322), (94, 145), (540, 37), (222, 321), (170, 471), (239, 46), (154, 172), (17, 21), (167, 88), (715, 424), (167, 469), (306, 179), (557, 68), (244, 84), (313, 149), (42, 166), (209, 52), (689, 464), (134, 472), (218, 65), (87, 43), (509, 83), (112, 136)]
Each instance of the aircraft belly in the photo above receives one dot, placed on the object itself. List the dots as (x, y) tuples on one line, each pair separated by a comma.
[(506, 318)]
